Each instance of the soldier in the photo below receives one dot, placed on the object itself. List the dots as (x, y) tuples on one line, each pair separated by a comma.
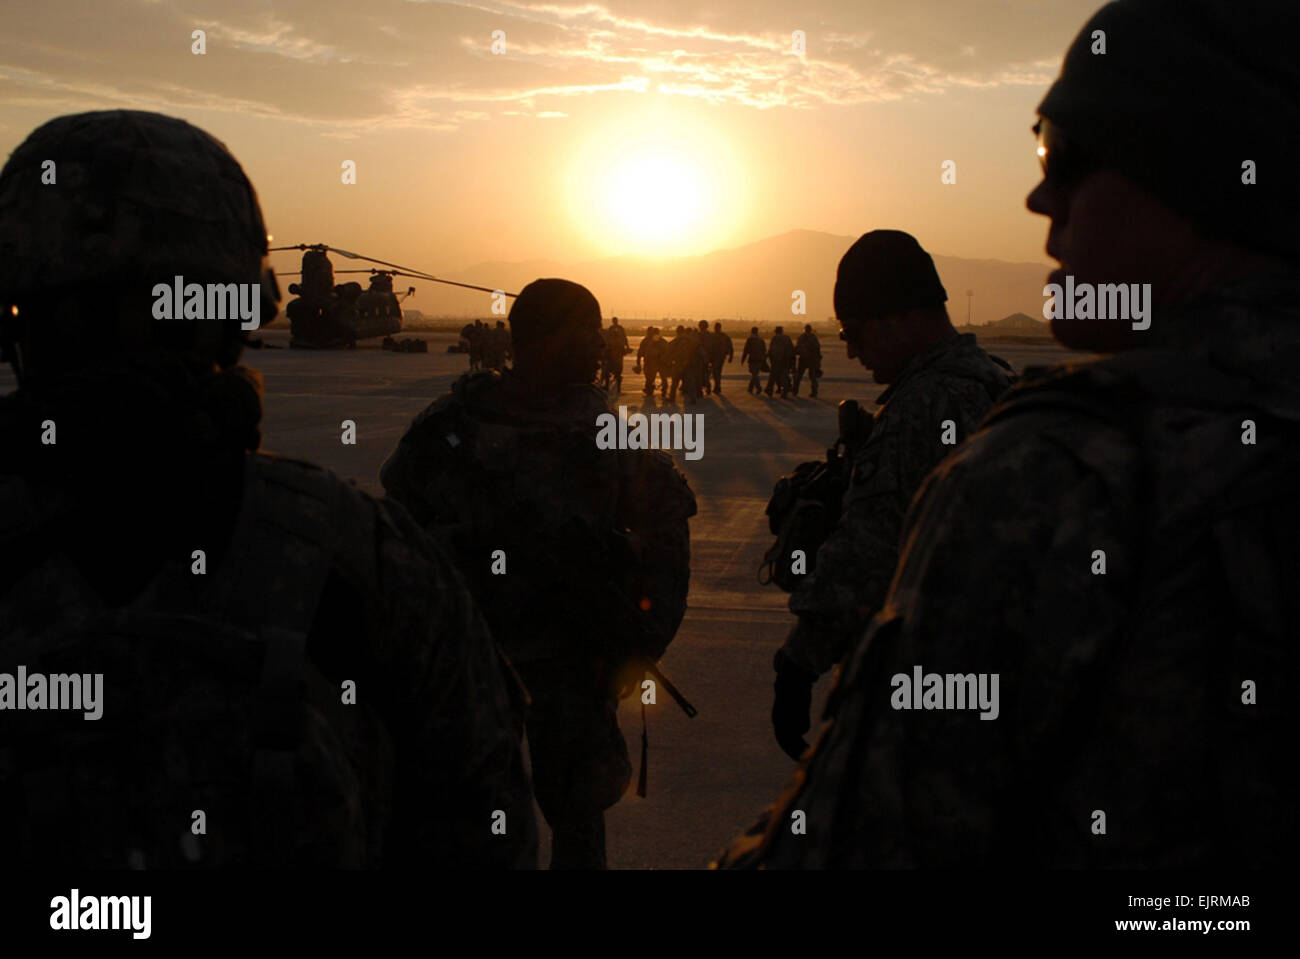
[(615, 348), (468, 334), (279, 651), (755, 352), (721, 352), (496, 344), (890, 303), (579, 555), (703, 356), (652, 355), (1116, 545), (658, 350), (780, 356), (681, 354), (809, 353), (481, 332)]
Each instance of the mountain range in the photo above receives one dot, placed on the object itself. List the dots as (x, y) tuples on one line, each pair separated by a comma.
[(756, 282)]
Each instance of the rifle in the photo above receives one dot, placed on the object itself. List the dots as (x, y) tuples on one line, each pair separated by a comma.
[(855, 427)]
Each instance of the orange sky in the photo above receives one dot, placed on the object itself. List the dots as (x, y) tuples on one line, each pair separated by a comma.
[(603, 129)]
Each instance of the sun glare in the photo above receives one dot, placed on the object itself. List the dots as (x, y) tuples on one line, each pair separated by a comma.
[(656, 189), (655, 197)]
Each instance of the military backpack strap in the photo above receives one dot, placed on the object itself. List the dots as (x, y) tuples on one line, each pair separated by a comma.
[(281, 557)]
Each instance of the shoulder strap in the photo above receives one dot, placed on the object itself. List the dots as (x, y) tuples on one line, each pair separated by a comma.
[(281, 555), (283, 546)]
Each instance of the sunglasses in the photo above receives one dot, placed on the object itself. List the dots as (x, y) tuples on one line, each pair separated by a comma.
[(1064, 162), (850, 328)]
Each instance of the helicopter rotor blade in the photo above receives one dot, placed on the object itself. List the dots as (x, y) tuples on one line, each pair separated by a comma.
[(402, 270)]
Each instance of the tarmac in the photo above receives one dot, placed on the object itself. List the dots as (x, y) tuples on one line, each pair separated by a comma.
[(709, 777)]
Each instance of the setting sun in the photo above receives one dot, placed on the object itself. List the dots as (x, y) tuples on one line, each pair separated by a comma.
[(655, 197), (657, 184)]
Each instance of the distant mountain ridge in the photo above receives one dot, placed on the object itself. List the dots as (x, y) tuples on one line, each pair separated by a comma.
[(756, 280)]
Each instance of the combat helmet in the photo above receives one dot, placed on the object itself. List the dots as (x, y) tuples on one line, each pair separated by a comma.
[(96, 210)]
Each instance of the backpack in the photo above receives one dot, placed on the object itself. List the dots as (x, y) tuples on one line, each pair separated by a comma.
[(534, 486), (219, 743), (802, 511), (805, 505), (1238, 519)]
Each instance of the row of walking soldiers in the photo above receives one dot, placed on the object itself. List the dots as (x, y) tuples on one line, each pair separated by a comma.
[(780, 359), (489, 348), (692, 360)]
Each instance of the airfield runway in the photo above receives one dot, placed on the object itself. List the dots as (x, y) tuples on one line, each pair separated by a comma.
[(709, 776)]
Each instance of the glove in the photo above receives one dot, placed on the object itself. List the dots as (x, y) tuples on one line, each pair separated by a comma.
[(792, 705)]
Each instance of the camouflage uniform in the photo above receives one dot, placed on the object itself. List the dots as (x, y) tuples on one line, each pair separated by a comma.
[(596, 547), (434, 748), (1120, 693), (308, 582), (953, 380)]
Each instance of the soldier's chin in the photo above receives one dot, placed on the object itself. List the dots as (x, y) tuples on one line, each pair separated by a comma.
[(1095, 336)]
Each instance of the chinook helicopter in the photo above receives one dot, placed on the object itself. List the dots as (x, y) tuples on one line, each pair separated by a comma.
[(324, 315)]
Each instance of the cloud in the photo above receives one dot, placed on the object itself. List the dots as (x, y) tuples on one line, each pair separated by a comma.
[(755, 68), (347, 69)]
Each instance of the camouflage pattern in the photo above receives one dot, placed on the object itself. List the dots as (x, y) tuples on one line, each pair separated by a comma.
[(433, 748), (1120, 692), (596, 546), (954, 380), (138, 199), (308, 582), (164, 178)]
